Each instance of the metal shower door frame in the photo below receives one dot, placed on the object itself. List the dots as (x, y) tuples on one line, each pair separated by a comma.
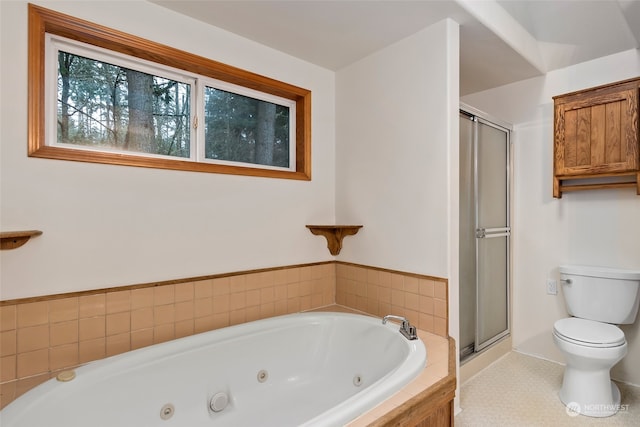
[(478, 118)]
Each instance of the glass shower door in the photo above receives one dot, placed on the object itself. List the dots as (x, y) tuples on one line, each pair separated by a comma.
[(492, 233), (484, 233)]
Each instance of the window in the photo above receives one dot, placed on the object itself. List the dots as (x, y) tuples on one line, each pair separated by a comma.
[(99, 95)]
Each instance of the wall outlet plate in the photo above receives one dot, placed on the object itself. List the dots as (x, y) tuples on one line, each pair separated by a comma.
[(552, 287)]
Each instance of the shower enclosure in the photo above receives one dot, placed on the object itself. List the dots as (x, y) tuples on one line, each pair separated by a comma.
[(485, 231)]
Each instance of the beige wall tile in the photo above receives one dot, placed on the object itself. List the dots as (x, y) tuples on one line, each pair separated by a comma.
[(412, 301), (221, 304), (63, 356), (32, 314), (397, 281), (8, 318), (440, 290), (412, 284), (293, 305), (221, 286), (203, 289), (203, 324), (440, 326), (141, 298), (427, 287), (32, 363), (384, 295), (141, 338), (280, 307), (252, 297), (64, 309), (440, 308), (397, 297), (306, 273), (142, 318), (163, 315), (237, 317), (426, 323), (33, 338), (92, 350), (184, 311), (8, 368), (163, 295), (280, 292), (238, 283), (118, 323), (361, 274), (316, 300), (184, 292), (256, 281), (92, 305), (267, 295), (305, 302), (184, 328), (221, 320), (293, 276), (426, 304), (91, 328), (280, 277), (293, 290), (413, 316), (373, 276), (118, 344), (8, 343), (237, 301), (252, 313), (63, 333), (117, 302), (203, 307), (267, 310)]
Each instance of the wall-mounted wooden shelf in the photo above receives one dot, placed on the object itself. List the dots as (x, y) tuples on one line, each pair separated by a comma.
[(334, 234), (15, 239)]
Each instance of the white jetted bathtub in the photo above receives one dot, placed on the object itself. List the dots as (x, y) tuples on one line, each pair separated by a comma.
[(307, 369)]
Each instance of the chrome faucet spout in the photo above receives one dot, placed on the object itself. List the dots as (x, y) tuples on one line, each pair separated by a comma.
[(406, 329)]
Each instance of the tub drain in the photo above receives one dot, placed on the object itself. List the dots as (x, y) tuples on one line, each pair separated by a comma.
[(167, 411), (357, 380)]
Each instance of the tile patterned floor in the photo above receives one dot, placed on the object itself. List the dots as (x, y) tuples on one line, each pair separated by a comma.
[(522, 391)]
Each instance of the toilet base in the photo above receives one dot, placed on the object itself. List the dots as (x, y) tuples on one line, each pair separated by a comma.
[(586, 403)]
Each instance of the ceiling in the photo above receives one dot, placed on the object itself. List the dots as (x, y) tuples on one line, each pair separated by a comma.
[(500, 41)]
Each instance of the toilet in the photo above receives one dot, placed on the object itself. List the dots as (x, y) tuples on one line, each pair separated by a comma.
[(598, 299)]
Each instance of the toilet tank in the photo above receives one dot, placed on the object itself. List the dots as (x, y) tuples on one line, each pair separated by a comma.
[(600, 293)]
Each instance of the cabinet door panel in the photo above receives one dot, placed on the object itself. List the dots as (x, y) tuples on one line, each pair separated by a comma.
[(597, 134)]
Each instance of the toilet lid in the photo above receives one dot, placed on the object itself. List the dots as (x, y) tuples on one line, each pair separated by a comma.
[(589, 332)]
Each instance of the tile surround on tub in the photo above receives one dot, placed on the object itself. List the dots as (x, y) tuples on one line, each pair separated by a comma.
[(41, 336)]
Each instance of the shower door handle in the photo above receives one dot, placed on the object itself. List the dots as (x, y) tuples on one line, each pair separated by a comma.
[(487, 233)]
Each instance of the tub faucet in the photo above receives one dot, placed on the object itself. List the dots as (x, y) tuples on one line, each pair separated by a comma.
[(406, 329)]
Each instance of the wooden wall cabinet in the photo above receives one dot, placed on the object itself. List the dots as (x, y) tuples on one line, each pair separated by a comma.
[(596, 142)]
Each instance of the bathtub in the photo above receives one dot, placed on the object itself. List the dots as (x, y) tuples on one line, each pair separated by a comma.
[(305, 369)]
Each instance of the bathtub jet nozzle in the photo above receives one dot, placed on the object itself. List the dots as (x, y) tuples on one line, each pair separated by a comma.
[(406, 329)]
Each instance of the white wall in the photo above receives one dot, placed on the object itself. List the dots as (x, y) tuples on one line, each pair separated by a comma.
[(592, 227), (394, 119), (110, 225)]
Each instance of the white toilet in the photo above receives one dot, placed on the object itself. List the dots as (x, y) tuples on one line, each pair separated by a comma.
[(598, 298)]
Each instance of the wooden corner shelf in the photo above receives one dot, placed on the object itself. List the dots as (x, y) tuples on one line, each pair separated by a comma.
[(15, 239), (334, 234)]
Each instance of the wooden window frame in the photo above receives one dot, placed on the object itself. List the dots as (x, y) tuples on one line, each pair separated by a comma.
[(42, 21)]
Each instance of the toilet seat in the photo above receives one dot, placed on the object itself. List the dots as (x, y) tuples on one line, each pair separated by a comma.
[(588, 333)]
